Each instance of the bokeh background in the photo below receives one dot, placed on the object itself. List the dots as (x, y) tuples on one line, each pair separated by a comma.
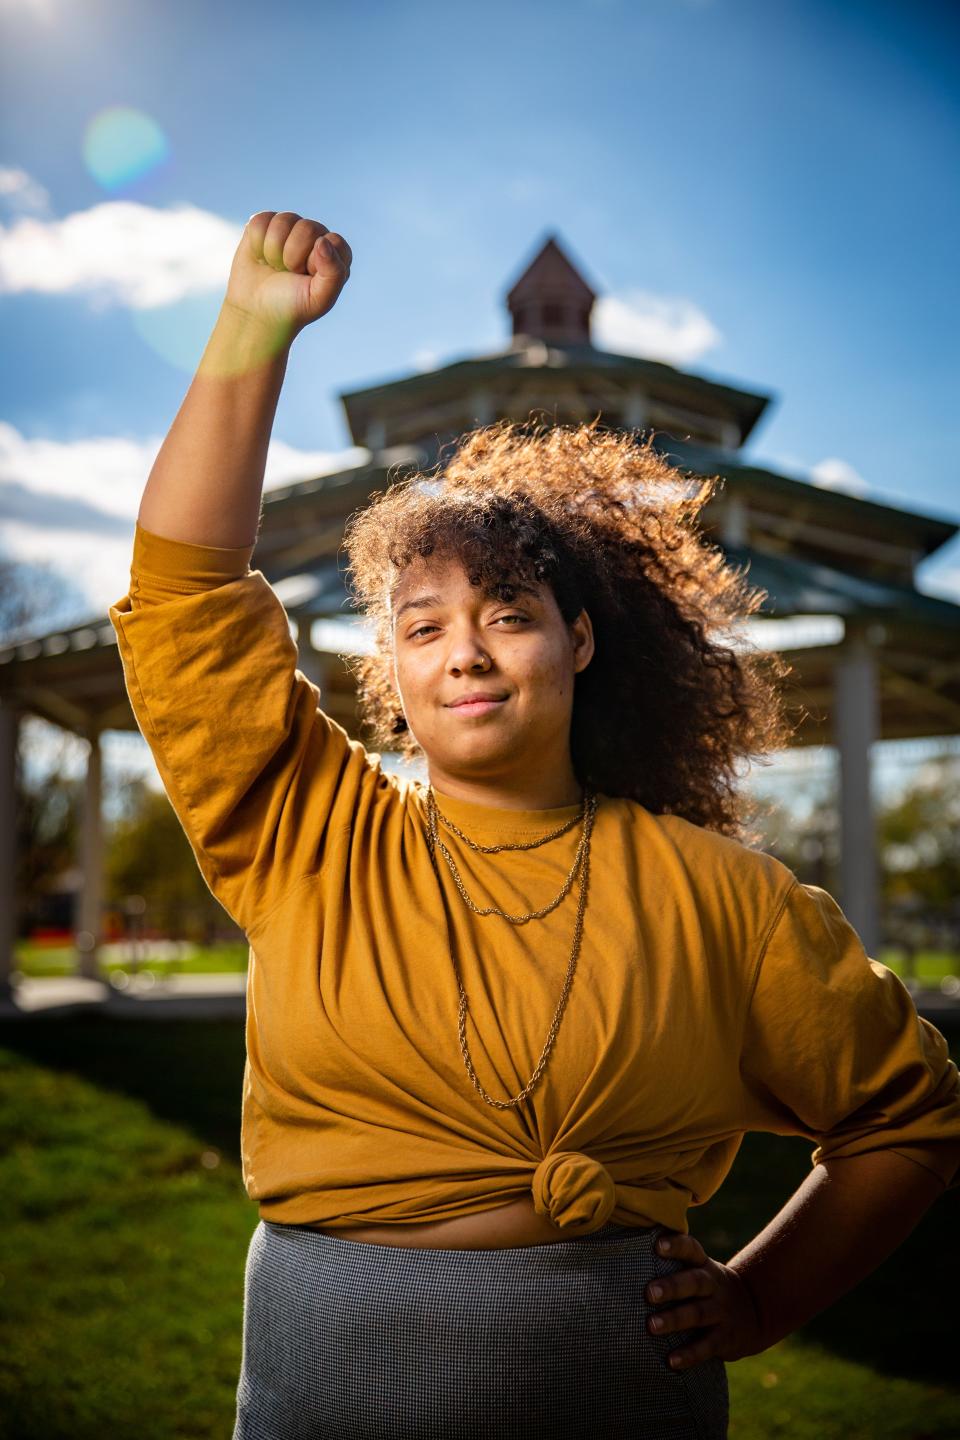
[(763, 193)]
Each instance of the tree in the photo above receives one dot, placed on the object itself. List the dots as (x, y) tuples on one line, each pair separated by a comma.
[(920, 838), (148, 854), (48, 818), (35, 598)]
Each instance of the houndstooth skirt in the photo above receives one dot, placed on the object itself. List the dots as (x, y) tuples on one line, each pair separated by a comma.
[(347, 1340)]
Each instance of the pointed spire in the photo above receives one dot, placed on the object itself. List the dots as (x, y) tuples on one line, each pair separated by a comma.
[(551, 301)]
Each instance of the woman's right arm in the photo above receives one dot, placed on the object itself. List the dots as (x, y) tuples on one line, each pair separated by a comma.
[(258, 775), (207, 480)]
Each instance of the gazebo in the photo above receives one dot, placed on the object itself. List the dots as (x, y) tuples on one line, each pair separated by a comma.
[(882, 665)]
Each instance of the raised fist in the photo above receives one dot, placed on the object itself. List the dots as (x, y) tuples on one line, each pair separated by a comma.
[(281, 275)]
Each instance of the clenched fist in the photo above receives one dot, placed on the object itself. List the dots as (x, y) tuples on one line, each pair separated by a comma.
[(287, 271)]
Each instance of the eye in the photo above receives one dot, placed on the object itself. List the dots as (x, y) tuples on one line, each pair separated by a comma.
[(522, 618)]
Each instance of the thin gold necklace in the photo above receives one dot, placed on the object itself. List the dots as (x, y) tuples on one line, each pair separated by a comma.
[(581, 861)]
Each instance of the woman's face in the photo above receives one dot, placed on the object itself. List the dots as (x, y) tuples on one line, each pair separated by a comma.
[(450, 640)]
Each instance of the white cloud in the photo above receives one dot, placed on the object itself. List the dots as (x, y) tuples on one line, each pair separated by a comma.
[(286, 464), (73, 503), (118, 253), (942, 580), (834, 474), (831, 473), (106, 472), (656, 327), (99, 565), (19, 191), (425, 359)]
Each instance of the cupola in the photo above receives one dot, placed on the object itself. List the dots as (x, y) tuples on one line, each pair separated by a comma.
[(551, 301)]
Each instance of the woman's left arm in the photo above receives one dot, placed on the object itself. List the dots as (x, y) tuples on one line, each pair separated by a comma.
[(832, 1048), (844, 1220)]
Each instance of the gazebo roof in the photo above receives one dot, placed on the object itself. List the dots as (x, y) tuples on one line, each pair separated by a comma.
[(806, 587), (580, 364), (861, 515)]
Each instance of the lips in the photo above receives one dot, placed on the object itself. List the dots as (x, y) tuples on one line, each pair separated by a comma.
[(477, 705), (474, 698)]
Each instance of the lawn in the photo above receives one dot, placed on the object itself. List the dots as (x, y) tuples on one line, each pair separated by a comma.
[(930, 966), (179, 959), (125, 1227)]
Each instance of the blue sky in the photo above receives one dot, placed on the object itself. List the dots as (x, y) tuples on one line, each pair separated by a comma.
[(761, 191)]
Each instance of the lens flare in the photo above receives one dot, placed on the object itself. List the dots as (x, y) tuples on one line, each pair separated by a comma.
[(178, 332), (121, 145)]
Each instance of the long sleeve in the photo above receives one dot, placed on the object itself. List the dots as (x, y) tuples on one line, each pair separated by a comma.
[(834, 1048), (258, 775)]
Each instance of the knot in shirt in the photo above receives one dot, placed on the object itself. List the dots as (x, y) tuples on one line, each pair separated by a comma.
[(573, 1189)]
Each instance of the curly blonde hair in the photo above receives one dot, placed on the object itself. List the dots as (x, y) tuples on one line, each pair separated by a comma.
[(664, 710)]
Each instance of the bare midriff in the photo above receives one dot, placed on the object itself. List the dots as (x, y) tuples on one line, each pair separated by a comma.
[(515, 1224)]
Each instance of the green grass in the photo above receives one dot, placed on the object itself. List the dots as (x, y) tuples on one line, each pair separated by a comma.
[(227, 956), (125, 1227), (930, 966)]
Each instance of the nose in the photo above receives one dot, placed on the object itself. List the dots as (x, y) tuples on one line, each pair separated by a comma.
[(466, 653)]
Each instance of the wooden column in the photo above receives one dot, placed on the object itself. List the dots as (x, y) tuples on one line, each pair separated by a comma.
[(88, 921), (9, 735), (856, 727), (635, 409), (481, 407), (315, 664)]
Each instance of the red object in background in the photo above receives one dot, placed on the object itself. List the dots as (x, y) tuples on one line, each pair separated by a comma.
[(50, 937), (113, 927)]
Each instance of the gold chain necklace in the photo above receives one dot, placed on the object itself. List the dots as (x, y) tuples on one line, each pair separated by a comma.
[(581, 861)]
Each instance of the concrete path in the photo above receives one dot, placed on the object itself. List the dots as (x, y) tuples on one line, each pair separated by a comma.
[(223, 996), (174, 997)]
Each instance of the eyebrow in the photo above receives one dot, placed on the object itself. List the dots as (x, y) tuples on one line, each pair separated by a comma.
[(423, 602)]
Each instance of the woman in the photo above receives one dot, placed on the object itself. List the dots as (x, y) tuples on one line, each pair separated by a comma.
[(503, 1029)]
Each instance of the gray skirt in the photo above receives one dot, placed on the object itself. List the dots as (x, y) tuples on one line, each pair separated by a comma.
[(347, 1340)]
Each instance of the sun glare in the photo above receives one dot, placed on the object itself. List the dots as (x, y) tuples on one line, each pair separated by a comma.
[(41, 9)]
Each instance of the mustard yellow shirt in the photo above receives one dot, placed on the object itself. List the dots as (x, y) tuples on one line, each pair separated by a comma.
[(714, 993)]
